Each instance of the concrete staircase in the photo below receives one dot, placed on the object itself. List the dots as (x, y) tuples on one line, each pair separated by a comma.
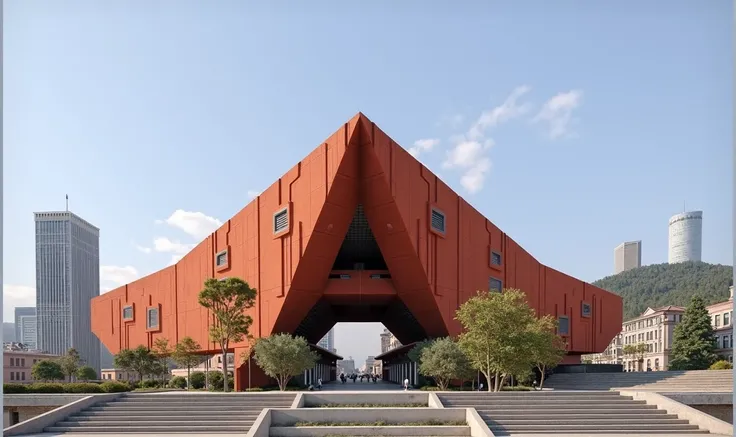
[(550, 412), (197, 412), (682, 381)]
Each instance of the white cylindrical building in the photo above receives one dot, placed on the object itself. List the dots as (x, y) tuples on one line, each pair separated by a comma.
[(686, 237)]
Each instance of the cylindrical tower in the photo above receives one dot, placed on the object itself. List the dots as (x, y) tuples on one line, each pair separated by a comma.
[(686, 237)]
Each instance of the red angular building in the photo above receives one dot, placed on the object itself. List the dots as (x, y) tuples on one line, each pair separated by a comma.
[(358, 231)]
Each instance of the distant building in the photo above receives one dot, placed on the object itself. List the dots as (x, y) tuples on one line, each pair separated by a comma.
[(118, 375), (369, 363), (346, 367), (721, 315), (328, 341), (388, 341), (18, 363), (685, 237), (67, 278), (20, 312), (626, 256), (28, 332), (213, 364)]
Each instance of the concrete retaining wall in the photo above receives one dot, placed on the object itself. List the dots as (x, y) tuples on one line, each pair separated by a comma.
[(694, 416), (343, 398), (288, 417), (38, 423), (322, 431), (41, 399), (718, 405)]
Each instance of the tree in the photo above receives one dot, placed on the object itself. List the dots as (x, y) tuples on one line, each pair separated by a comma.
[(139, 360), (70, 363), (86, 373), (47, 370), (694, 339), (443, 361), (415, 354), (282, 357), (497, 334), (228, 299), (636, 351), (548, 348), (185, 355), (163, 351)]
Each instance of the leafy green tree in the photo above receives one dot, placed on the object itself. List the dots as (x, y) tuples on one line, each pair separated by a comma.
[(637, 352), (47, 370), (228, 299), (69, 363), (162, 351), (668, 284), (443, 361), (415, 354), (282, 357), (497, 337), (139, 360), (185, 355), (86, 373), (694, 339), (548, 348)]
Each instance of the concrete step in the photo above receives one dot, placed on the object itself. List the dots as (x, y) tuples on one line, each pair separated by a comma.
[(188, 409), (573, 415), (195, 404), (393, 431), (575, 407), (649, 433), (168, 429), (593, 427), (522, 402), (160, 418), (577, 396), (203, 401), (585, 421), (148, 423)]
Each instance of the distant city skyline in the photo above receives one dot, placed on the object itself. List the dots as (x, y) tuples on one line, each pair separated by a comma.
[(626, 256)]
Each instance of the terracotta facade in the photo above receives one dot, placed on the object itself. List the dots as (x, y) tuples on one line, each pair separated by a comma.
[(358, 231)]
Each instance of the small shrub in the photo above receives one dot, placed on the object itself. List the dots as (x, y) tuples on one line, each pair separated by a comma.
[(82, 387), (178, 382), (254, 389), (517, 388), (46, 387), (197, 380), (14, 388), (721, 365), (150, 383), (429, 388), (115, 387)]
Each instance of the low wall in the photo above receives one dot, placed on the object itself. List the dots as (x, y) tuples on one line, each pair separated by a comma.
[(310, 400), (288, 417), (38, 423), (589, 368), (718, 405), (18, 408)]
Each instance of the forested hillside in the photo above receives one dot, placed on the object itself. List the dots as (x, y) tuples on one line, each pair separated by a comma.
[(668, 284)]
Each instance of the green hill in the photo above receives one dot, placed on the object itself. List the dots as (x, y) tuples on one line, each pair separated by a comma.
[(668, 284)]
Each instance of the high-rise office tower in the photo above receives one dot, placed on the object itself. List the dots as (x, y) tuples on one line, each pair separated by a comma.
[(626, 256), (67, 278), (328, 341), (685, 237), (20, 312), (28, 332)]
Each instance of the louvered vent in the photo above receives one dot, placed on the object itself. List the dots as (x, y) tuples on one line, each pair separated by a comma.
[(281, 221), (495, 285), (438, 221)]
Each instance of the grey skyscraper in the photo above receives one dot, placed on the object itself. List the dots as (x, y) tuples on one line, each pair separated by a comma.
[(626, 256), (685, 237), (67, 277), (328, 341), (20, 312)]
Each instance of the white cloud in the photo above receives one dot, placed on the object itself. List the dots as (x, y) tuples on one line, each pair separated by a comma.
[(423, 145), (115, 276), (17, 296), (253, 194), (196, 224), (509, 109), (142, 248), (163, 244), (557, 113), (470, 156)]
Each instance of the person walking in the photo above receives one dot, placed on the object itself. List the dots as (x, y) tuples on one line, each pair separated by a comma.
[(406, 384)]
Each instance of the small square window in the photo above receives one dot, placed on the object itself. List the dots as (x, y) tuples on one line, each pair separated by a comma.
[(152, 318), (495, 285), (128, 312), (495, 258), (281, 221), (438, 221), (563, 327), (585, 311), (221, 259)]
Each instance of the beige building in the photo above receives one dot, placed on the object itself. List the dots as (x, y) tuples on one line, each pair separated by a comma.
[(626, 256), (721, 317), (214, 364), (388, 341), (655, 328), (17, 364), (117, 375)]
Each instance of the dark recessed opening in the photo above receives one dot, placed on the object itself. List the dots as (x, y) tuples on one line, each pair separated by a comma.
[(359, 249)]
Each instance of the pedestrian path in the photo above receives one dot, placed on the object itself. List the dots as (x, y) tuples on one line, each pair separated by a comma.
[(379, 385)]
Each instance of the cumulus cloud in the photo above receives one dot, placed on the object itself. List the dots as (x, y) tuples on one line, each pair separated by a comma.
[(196, 224), (423, 145), (142, 248), (557, 113), (17, 296), (163, 244), (470, 150), (115, 276)]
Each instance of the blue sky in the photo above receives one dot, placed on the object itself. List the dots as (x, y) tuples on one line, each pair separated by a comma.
[(572, 125)]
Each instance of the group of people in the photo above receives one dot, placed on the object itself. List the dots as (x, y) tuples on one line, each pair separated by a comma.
[(355, 377)]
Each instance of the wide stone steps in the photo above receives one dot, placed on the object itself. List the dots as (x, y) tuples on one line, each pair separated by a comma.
[(690, 381), (566, 413), (393, 431), (161, 413)]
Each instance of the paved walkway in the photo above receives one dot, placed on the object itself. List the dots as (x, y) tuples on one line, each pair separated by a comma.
[(361, 386)]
